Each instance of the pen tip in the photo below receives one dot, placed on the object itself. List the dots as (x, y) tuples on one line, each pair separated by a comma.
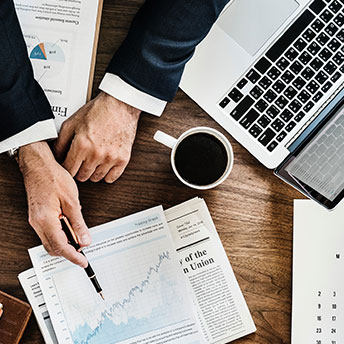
[(102, 296)]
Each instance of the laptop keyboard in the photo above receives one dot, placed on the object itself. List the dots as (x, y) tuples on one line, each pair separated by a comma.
[(295, 73)]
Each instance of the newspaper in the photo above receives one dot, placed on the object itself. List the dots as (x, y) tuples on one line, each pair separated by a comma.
[(221, 309)]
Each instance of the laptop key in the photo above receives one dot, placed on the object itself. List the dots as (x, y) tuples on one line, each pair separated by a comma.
[(308, 35), (256, 92), (290, 92), (307, 73), (326, 16), (321, 77), (281, 136), (272, 111), (340, 35), (291, 54), (255, 130), (330, 68), (262, 65), (242, 108), (326, 87), (290, 35), (296, 67), (317, 96), (272, 146), (317, 6), (316, 64), (325, 54), (282, 63), (338, 58), (270, 96), (249, 118), (242, 83), (299, 116), (300, 44), (305, 57), (335, 6), (253, 76), (279, 86), (261, 105), (264, 121), (317, 25), (312, 86), (286, 115), (235, 95), (334, 44), (299, 83), (277, 124), (273, 73), (265, 82), (303, 96), (287, 76), (336, 76), (290, 126), (295, 106), (339, 20), (225, 101), (281, 102), (308, 106), (331, 29), (313, 48), (322, 39), (267, 136)]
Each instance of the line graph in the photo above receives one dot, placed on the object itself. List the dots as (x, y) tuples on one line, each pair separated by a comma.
[(105, 315)]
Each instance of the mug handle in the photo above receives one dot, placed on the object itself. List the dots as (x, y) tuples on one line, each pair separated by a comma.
[(165, 139)]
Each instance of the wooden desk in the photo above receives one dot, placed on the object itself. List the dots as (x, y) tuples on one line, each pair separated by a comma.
[(252, 210)]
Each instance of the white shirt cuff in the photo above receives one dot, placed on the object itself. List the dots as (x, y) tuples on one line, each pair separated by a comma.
[(40, 131), (119, 89)]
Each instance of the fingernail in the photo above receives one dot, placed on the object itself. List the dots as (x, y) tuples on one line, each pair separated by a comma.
[(85, 239)]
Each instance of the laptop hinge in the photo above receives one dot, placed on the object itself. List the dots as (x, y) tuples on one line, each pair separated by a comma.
[(311, 119)]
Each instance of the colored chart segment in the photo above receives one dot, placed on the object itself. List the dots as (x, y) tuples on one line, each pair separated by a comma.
[(47, 51)]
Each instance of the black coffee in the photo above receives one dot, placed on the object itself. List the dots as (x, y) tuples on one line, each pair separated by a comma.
[(201, 159)]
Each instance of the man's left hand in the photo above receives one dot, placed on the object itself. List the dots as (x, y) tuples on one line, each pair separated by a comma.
[(96, 141)]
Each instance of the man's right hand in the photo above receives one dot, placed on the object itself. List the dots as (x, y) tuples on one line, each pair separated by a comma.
[(51, 191)]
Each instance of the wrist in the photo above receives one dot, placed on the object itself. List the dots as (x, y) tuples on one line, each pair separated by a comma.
[(33, 154)]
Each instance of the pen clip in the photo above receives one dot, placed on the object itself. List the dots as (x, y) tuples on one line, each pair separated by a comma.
[(72, 239)]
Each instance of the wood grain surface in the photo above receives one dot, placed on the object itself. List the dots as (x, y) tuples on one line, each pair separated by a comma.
[(252, 209)]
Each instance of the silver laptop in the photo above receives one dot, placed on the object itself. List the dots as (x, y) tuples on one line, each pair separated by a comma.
[(271, 73)]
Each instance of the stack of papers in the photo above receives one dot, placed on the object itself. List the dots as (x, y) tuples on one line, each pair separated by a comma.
[(165, 277)]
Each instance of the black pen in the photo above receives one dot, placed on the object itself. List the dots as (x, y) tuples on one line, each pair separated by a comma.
[(72, 240)]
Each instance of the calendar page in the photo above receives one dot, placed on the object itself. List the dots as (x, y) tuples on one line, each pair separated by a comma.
[(318, 274)]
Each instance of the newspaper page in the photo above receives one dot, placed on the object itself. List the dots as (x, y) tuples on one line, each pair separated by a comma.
[(34, 295), (60, 37), (221, 307), (147, 299)]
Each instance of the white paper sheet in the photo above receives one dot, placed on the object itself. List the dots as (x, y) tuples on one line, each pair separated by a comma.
[(146, 295), (60, 38), (318, 283)]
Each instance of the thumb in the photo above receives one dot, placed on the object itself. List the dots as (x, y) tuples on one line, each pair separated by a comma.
[(78, 224), (64, 140)]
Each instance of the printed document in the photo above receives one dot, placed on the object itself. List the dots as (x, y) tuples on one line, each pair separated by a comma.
[(60, 38), (318, 265), (147, 298)]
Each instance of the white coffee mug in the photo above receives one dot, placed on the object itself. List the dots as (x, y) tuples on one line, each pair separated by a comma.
[(173, 143)]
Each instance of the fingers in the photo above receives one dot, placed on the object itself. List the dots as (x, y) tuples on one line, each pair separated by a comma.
[(64, 140), (87, 169), (54, 239), (75, 158), (73, 213), (114, 173), (100, 172)]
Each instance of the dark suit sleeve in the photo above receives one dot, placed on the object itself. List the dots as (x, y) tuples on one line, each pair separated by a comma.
[(162, 38), (22, 101)]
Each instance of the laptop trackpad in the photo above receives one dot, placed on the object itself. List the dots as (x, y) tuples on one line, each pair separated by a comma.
[(252, 22)]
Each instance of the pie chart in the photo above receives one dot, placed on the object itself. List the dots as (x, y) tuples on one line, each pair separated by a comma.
[(48, 60)]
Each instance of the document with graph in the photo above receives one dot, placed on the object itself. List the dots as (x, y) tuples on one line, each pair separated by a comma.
[(61, 38), (147, 299)]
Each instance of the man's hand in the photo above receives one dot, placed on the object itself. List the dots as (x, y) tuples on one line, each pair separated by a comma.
[(51, 191), (98, 139)]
